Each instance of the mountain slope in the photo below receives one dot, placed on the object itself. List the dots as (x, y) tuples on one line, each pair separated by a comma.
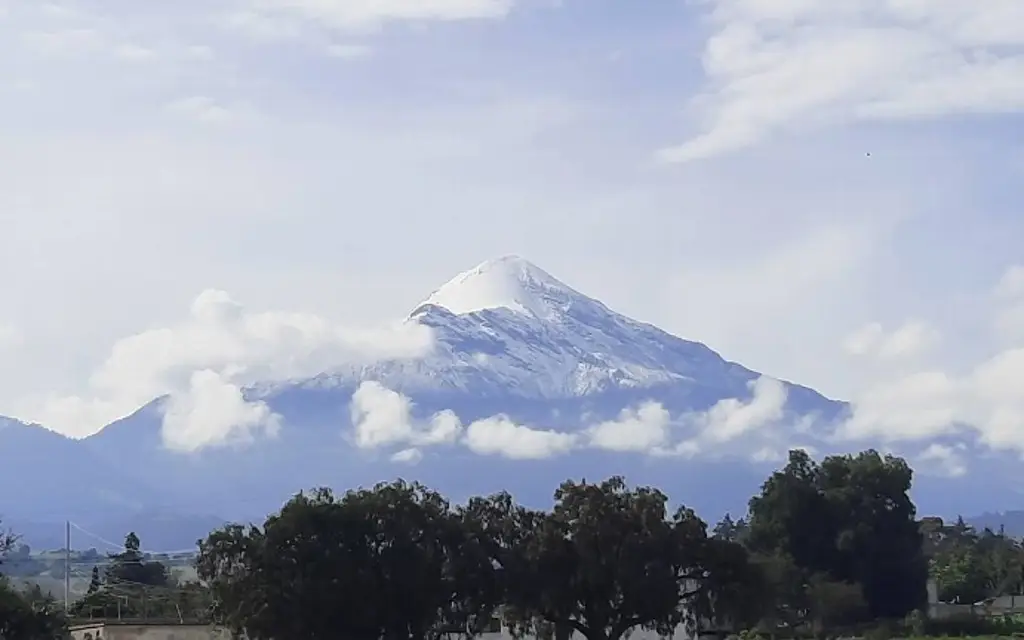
[(510, 329), (518, 354)]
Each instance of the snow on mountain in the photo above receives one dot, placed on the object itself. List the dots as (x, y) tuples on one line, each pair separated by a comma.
[(508, 325), (510, 283)]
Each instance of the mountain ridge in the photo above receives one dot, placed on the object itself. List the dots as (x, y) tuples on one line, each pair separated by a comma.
[(517, 354)]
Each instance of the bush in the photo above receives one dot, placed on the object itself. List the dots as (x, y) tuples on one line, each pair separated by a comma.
[(974, 625)]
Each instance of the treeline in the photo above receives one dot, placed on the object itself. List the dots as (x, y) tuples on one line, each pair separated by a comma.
[(824, 546)]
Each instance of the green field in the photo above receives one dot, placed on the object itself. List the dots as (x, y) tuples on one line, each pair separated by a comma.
[(54, 585)]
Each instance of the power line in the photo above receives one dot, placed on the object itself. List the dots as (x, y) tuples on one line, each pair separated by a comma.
[(120, 548)]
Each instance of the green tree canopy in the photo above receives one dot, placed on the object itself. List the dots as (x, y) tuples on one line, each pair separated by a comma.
[(389, 562), (970, 566), (609, 558), (132, 568), (30, 615), (849, 519)]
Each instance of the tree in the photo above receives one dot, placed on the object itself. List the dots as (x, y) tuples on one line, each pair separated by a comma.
[(969, 566), (730, 530), (831, 603), (130, 567), (784, 599), (94, 581), (736, 593), (394, 561), (607, 559), (230, 563), (7, 542), (26, 616), (849, 518), (501, 529)]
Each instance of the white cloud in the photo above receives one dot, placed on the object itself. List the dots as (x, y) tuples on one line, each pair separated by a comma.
[(733, 425), (909, 339), (641, 429), (993, 400), (360, 15), (863, 340), (985, 400), (500, 436), (773, 67), (940, 459), (407, 456), (732, 418), (213, 412), (382, 417), (911, 407), (220, 337), (748, 426)]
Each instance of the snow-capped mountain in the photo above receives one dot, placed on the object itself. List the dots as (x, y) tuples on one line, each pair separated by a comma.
[(508, 327), (529, 382)]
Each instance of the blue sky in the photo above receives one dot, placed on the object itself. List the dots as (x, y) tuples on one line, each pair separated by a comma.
[(700, 165)]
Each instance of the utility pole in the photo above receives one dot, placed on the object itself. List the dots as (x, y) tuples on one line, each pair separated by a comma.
[(67, 566)]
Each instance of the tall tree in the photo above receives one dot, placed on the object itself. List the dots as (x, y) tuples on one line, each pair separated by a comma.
[(394, 561), (608, 559), (94, 581), (851, 519), (130, 566), (730, 530), (501, 530)]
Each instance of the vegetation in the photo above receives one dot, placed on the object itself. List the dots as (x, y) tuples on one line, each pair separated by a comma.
[(26, 616), (132, 586), (826, 548)]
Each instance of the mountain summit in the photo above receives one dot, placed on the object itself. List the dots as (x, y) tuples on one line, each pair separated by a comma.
[(509, 282), (509, 328)]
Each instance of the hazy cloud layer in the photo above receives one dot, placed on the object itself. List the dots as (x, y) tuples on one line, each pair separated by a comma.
[(383, 419), (204, 361)]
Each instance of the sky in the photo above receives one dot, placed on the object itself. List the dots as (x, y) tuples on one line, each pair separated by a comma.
[(825, 192)]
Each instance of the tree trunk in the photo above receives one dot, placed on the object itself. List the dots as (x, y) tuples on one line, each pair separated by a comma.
[(595, 634)]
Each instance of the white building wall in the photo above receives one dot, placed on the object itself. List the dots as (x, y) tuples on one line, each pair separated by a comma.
[(148, 632)]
